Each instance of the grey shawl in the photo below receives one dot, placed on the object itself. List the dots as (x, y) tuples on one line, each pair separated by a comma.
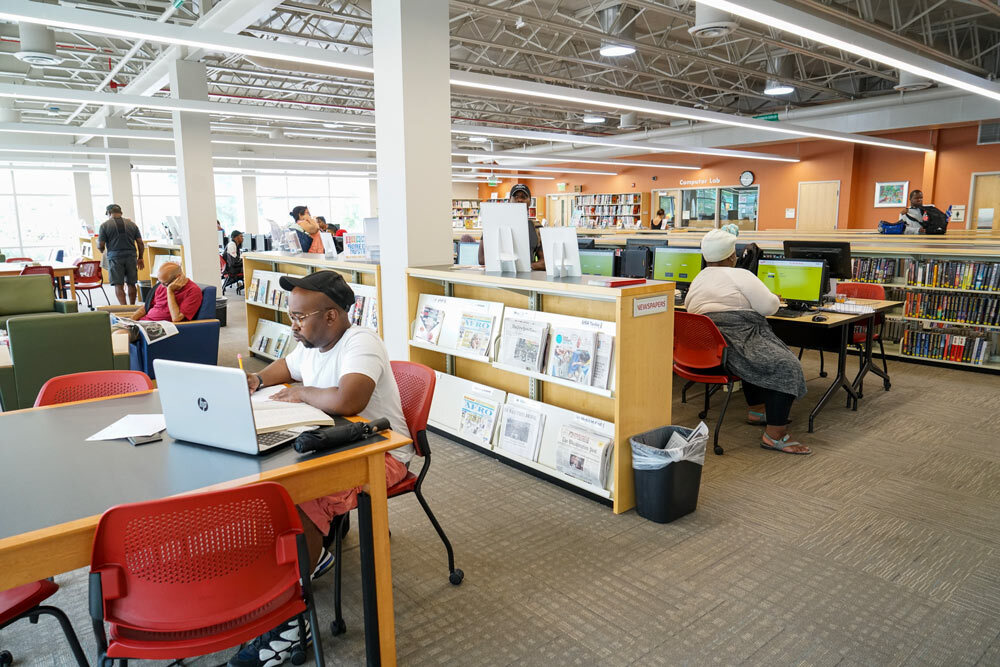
[(756, 354)]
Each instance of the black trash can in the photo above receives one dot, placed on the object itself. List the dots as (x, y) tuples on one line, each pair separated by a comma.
[(221, 304), (670, 492), (144, 288)]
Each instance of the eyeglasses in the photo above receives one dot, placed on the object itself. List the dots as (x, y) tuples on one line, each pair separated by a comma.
[(298, 319)]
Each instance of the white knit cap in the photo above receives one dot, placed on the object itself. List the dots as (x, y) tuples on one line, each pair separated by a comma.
[(719, 244)]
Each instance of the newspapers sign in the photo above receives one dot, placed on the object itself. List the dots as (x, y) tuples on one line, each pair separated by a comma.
[(650, 305)]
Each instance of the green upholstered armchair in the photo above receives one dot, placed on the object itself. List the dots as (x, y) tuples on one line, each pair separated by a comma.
[(23, 295), (44, 346)]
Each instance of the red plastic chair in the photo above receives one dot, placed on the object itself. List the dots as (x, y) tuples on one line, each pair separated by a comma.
[(88, 276), (416, 391), (41, 270), (200, 573), (867, 291), (26, 602), (700, 357), (18, 260), (91, 384)]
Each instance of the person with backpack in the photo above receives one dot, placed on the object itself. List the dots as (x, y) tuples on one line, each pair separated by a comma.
[(922, 219), (120, 240)]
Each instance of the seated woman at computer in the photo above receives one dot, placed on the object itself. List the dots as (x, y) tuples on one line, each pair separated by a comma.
[(520, 194), (343, 370), (306, 229), (738, 302)]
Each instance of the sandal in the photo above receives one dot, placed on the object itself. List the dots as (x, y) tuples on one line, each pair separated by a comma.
[(756, 418), (782, 445)]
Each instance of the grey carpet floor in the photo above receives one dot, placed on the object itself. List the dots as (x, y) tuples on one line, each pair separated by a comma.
[(881, 549)]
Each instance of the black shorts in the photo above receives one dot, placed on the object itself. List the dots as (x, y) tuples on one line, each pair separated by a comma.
[(123, 270)]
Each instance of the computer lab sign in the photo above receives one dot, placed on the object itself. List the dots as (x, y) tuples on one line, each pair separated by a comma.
[(650, 305)]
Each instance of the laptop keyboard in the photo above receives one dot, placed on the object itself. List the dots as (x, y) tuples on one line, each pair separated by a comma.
[(266, 441)]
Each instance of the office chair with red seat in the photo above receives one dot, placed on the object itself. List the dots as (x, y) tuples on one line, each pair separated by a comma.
[(868, 291), (26, 602), (700, 357), (229, 275), (88, 276), (416, 390), (91, 384), (195, 574)]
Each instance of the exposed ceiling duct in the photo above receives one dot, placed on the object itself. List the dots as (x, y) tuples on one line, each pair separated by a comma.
[(628, 121), (910, 82), (38, 46), (617, 21), (711, 23), (8, 112), (779, 66)]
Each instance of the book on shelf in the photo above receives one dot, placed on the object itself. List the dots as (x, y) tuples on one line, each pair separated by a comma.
[(430, 321), (371, 313), (948, 343), (873, 269), (616, 282), (584, 455), (953, 274), (522, 343), (478, 419), (263, 343), (252, 292), (971, 309), (602, 360), (520, 431), (474, 333), (279, 344), (261, 295), (356, 311), (571, 354)]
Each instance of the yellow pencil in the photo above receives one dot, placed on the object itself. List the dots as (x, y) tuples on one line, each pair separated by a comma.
[(239, 358)]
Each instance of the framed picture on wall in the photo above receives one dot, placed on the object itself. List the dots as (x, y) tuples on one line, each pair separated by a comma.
[(891, 194)]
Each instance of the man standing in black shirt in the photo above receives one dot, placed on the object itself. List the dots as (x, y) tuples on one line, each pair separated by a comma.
[(121, 241)]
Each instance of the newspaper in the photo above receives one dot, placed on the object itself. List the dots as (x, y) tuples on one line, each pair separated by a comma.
[(583, 455), (152, 331), (520, 431), (522, 343), (602, 360), (479, 416)]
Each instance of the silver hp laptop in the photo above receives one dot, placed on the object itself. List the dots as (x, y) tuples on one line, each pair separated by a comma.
[(210, 405)]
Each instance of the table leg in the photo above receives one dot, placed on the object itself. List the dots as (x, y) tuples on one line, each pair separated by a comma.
[(72, 287), (839, 381), (868, 365), (376, 567)]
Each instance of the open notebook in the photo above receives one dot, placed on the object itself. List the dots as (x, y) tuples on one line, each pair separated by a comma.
[(269, 415)]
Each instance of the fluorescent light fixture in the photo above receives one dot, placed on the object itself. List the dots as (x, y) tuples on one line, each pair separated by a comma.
[(240, 141), (608, 142), (773, 87), (43, 128), (44, 94), (591, 99), (554, 158), (111, 25), (478, 139), (611, 50), (555, 170), (593, 119), (826, 33), (514, 176)]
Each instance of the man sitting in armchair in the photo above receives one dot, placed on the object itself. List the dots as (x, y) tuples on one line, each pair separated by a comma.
[(175, 299)]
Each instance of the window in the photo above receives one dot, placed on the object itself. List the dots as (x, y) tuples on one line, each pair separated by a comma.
[(342, 201), (712, 207), (156, 197), (229, 201), (37, 212), (100, 198)]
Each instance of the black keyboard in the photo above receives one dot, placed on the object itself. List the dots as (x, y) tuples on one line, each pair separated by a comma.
[(267, 441), (790, 312)]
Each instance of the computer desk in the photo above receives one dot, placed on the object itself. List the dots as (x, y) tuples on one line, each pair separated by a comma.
[(56, 486), (844, 323)]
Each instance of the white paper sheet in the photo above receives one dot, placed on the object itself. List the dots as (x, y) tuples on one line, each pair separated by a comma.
[(131, 426)]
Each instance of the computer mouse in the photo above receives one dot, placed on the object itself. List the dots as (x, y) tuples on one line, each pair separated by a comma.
[(819, 318)]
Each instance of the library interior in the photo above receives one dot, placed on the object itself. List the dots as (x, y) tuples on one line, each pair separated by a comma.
[(696, 301)]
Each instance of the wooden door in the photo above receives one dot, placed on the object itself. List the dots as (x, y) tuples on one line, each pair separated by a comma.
[(559, 210), (819, 205), (985, 202)]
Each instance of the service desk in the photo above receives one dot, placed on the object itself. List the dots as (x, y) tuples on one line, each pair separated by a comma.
[(61, 484)]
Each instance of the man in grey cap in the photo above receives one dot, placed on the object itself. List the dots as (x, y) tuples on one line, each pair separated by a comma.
[(343, 370), (121, 241)]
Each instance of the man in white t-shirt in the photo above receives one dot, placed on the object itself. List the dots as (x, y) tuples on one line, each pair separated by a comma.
[(344, 370)]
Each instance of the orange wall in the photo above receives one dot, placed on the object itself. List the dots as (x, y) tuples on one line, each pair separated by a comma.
[(856, 166)]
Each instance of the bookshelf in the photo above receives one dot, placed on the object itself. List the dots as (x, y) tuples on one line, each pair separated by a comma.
[(156, 248), (638, 398), (90, 250), (267, 317), (625, 209), (465, 213)]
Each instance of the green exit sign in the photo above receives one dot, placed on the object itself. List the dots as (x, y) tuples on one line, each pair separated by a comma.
[(768, 116)]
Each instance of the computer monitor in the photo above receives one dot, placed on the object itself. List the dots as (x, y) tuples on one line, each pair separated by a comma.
[(597, 262), (468, 254), (837, 255), (680, 265), (732, 214), (642, 242), (585, 243), (797, 281)]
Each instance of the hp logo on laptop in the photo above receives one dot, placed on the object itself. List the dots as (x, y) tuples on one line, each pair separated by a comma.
[(203, 405)]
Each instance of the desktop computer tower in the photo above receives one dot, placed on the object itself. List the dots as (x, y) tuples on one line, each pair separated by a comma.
[(636, 262)]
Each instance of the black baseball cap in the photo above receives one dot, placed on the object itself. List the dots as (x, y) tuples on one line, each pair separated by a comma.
[(329, 283), (520, 187)]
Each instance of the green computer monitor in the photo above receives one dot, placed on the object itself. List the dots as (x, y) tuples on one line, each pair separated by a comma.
[(597, 262), (680, 265), (794, 280)]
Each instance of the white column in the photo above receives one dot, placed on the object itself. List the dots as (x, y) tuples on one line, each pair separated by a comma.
[(195, 179), (373, 199), (120, 171), (413, 146), (84, 201), (250, 215)]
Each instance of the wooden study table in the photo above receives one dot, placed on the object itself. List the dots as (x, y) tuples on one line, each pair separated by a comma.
[(58, 505), (844, 323), (60, 269)]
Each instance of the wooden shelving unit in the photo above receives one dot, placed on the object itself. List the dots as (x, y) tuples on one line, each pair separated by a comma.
[(89, 250), (612, 209), (263, 316), (465, 213), (156, 248), (639, 398)]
